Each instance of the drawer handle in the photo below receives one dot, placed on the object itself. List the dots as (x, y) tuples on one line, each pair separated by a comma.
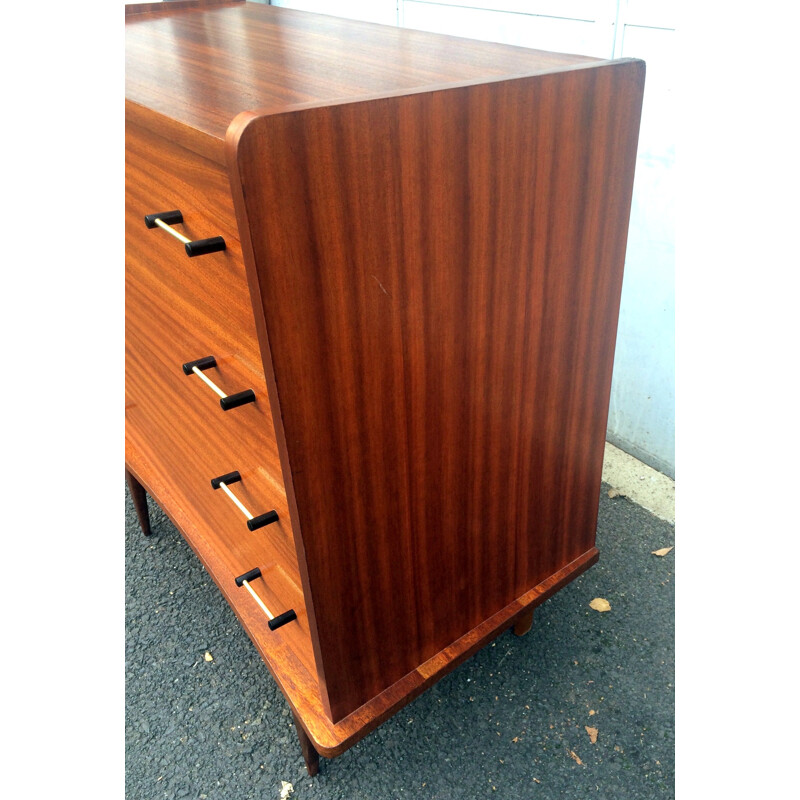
[(199, 247), (274, 622), (253, 523), (227, 401)]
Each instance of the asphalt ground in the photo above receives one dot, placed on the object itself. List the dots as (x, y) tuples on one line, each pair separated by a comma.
[(508, 723)]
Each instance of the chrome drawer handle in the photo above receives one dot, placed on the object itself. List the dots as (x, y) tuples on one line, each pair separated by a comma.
[(253, 523), (199, 247), (227, 401), (274, 622)]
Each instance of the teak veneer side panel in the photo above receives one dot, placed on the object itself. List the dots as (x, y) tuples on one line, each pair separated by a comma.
[(203, 66), (440, 277)]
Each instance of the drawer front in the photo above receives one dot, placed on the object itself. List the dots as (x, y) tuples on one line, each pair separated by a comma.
[(180, 309), (208, 292), (169, 416), (192, 451)]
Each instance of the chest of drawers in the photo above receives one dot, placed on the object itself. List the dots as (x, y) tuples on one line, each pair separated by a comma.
[(375, 403)]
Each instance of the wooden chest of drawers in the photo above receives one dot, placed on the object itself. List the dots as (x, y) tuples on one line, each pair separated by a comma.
[(416, 305)]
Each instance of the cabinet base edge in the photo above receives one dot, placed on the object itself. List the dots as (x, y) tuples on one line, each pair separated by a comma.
[(365, 719), (330, 739)]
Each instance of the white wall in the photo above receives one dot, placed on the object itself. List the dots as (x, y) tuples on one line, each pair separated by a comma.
[(382, 11), (642, 414)]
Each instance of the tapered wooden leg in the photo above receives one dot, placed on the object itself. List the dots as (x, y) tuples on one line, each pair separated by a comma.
[(139, 497), (523, 623), (310, 754)]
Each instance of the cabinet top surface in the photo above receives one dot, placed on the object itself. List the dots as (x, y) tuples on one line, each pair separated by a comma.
[(202, 65)]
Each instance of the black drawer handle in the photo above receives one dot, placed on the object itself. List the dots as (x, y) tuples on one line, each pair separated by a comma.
[(227, 401), (199, 247), (253, 523), (274, 622)]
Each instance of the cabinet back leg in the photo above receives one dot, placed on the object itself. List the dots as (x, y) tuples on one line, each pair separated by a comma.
[(523, 623), (310, 754), (139, 497)]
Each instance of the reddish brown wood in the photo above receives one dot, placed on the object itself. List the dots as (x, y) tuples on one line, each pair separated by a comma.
[(207, 295), (139, 497), (425, 249), (389, 702), (184, 68), (279, 654), (458, 284), (180, 309), (310, 755)]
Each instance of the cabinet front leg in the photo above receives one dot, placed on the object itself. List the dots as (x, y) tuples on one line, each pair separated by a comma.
[(139, 497), (523, 623), (310, 754)]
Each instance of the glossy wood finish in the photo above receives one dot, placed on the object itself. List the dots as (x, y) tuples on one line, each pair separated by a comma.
[(297, 684), (212, 289), (193, 72), (440, 276), (179, 309), (421, 285)]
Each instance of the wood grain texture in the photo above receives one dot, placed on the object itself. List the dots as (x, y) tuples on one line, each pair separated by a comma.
[(180, 309), (201, 67), (425, 249), (211, 291), (440, 277), (291, 675)]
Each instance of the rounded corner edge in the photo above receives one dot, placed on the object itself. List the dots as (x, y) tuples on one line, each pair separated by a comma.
[(236, 131)]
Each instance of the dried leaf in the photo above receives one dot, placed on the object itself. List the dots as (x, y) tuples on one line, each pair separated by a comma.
[(600, 604), (616, 493), (574, 755), (662, 552), (286, 789), (592, 712), (592, 733), (208, 656)]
